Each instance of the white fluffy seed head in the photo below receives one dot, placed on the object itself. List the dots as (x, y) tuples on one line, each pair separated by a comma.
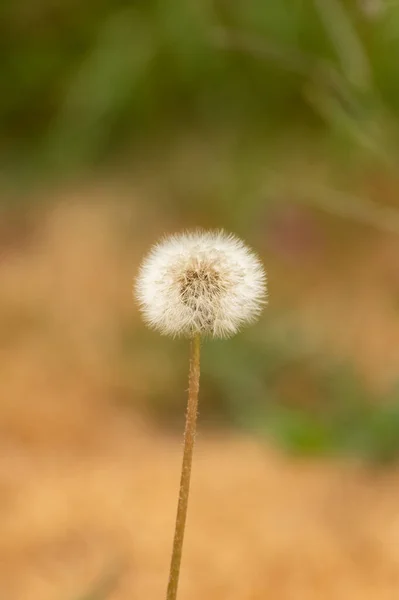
[(205, 282)]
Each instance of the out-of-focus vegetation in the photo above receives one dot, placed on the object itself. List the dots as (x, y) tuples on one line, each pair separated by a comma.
[(80, 81), (233, 114)]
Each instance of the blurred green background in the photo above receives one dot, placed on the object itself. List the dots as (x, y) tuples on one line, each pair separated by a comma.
[(83, 83), (274, 119)]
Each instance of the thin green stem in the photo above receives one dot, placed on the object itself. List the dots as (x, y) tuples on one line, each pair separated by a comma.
[(189, 440)]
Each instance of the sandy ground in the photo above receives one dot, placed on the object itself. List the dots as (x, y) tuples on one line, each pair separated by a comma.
[(88, 487), (259, 524)]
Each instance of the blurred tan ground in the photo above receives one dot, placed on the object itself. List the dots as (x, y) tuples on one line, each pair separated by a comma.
[(85, 481)]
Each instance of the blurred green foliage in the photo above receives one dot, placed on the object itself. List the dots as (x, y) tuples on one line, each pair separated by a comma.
[(272, 384), (276, 387), (81, 80)]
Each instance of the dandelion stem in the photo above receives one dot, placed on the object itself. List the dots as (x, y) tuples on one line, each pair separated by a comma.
[(189, 440)]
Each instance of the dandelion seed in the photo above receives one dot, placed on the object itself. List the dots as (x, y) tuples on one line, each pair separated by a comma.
[(202, 282)]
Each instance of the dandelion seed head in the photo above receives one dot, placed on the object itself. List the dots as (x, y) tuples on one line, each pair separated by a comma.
[(205, 282)]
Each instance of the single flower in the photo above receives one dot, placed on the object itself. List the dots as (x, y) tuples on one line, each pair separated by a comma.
[(201, 282), (195, 284)]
